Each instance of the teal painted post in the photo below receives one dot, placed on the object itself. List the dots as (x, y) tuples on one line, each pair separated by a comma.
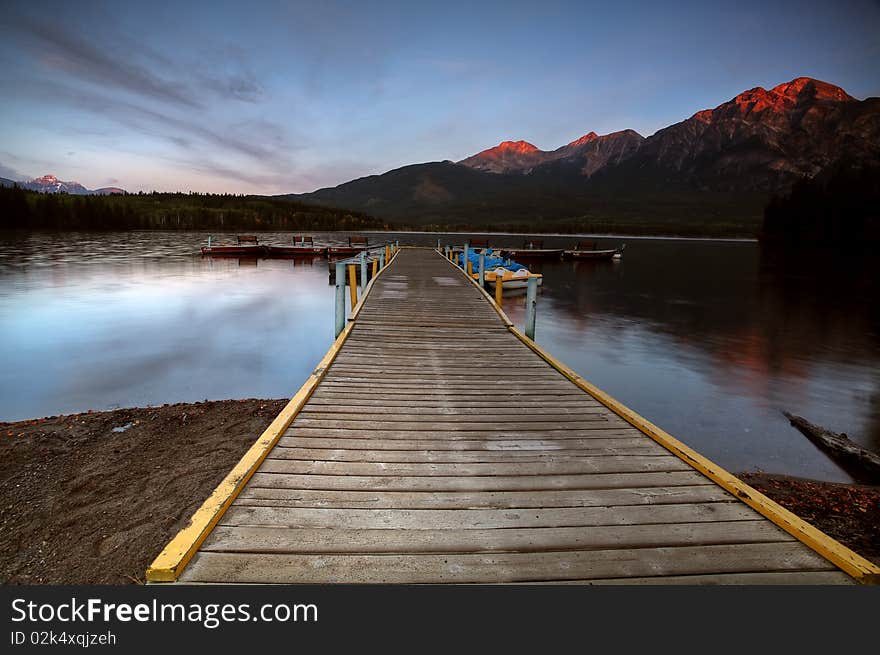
[(464, 259), (340, 297), (531, 307), (382, 259), (363, 272), (482, 269)]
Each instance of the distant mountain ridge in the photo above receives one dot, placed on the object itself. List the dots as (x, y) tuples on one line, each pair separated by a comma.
[(719, 165), (51, 184), (592, 150)]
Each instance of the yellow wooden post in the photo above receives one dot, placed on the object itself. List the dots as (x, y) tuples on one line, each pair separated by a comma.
[(387, 254), (498, 289), (470, 266), (375, 267), (352, 285)]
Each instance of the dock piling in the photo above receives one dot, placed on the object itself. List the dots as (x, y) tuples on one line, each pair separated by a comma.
[(499, 284), (340, 298), (465, 258), (482, 269), (352, 283), (531, 306), (363, 271)]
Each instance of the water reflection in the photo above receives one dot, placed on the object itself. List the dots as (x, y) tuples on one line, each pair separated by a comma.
[(709, 340)]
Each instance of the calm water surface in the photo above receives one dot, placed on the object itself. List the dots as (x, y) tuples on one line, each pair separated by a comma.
[(707, 339)]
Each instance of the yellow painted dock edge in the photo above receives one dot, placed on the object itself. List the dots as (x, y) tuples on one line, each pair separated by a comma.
[(861, 569), (169, 563)]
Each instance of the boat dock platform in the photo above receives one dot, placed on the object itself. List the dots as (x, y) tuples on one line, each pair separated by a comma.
[(435, 443)]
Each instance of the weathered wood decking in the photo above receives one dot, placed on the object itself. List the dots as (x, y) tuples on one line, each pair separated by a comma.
[(439, 448)]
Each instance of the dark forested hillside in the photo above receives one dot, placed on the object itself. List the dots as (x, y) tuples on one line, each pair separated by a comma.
[(839, 209), (24, 209)]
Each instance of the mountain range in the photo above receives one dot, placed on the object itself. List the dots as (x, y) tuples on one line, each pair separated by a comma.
[(717, 168), (51, 184)]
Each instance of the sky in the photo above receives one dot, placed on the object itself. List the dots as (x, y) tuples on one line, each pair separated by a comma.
[(286, 97)]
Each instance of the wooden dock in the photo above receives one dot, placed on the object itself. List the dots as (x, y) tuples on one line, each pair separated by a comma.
[(436, 444)]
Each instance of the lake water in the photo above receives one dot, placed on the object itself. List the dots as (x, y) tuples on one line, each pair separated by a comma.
[(707, 339)]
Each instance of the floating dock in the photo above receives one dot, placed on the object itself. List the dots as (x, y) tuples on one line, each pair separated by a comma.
[(435, 443)]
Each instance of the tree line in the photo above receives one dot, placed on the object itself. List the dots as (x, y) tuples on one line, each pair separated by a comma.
[(25, 209), (838, 209)]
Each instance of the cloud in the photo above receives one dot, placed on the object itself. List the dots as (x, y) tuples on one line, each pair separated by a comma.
[(11, 174), (236, 86), (245, 138), (112, 59), (66, 51)]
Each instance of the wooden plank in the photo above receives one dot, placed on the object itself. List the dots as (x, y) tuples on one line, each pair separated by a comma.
[(500, 348), (503, 567), (457, 426), (456, 456), (522, 540), (493, 376), (483, 483), (514, 395), (472, 519), (487, 404), (409, 358), (593, 464), (439, 447), (370, 499), (485, 413), (453, 415), (584, 430), (799, 578)]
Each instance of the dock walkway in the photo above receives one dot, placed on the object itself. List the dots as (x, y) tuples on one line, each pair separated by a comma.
[(439, 446)]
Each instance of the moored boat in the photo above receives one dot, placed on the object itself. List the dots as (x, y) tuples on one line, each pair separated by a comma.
[(533, 249), (589, 250), (303, 246), (241, 249), (510, 279), (355, 245)]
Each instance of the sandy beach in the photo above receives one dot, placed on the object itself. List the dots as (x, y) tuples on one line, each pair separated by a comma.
[(92, 498)]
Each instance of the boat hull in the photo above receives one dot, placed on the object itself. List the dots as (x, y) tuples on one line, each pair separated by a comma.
[(511, 282), (345, 250), (234, 251), (519, 283), (591, 254), (295, 251), (533, 253)]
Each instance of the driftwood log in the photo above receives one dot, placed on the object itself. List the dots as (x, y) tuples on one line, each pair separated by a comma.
[(840, 447)]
